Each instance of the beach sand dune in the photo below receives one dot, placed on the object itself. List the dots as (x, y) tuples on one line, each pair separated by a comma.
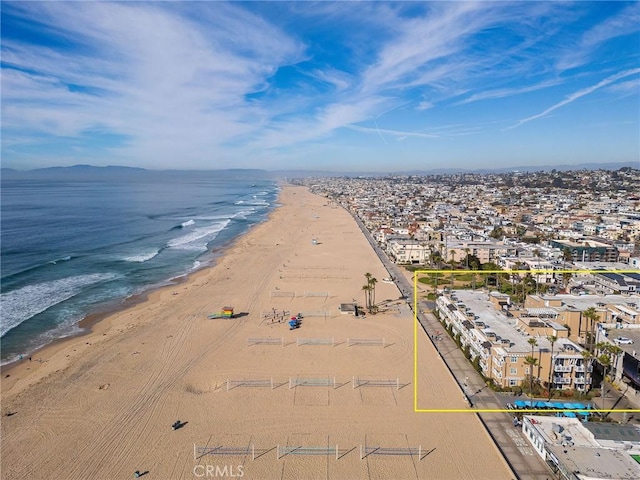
[(101, 406)]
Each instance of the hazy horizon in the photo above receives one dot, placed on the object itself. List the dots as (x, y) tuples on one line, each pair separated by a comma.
[(327, 86)]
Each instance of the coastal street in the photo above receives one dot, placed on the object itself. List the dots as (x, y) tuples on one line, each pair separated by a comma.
[(520, 456)]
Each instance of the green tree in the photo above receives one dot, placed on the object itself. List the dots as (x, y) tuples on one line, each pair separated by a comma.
[(370, 292), (588, 358), (592, 316), (497, 233), (528, 361), (531, 362), (552, 340), (567, 256), (538, 256), (372, 284), (605, 360), (365, 288), (615, 352)]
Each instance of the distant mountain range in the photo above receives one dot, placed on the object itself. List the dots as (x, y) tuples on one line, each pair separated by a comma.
[(89, 171), (81, 172)]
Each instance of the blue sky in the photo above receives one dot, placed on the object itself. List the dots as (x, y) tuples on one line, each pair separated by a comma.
[(367, 86)]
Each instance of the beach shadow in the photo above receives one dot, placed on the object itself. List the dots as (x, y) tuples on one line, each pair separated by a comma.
[(260, 453), (402, 385), (278, 385), (10, 414), (428, 453), (346, 452), (239, 314), (178, 425), (388, 345), (338, 385), (335, 344)]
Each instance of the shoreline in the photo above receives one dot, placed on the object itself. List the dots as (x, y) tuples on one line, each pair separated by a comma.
[(91, 322)]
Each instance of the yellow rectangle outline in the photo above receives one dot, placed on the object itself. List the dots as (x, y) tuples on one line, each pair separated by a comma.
[(490, 410)]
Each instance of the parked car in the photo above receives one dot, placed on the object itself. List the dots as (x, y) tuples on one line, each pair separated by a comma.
[(623, 341)]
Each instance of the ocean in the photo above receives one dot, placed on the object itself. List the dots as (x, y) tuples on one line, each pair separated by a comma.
[(78, 242)]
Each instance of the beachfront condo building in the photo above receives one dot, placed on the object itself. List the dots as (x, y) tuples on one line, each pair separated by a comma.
[(498, 334)]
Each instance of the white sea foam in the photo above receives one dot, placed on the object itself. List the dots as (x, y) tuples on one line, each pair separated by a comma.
[(187, 223), (62, 259), (258, 203), (142, 257), (198, 238), (21, 304)]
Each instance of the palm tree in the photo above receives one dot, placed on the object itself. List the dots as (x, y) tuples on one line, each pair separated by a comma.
[(605, 360), (566, 257), (372, 291), (587, 356), (552, 340), (533, 342), (538, 255), (592, 315), (615, 352), (532, 362), (467, 251), (365, 288), (525, 283)]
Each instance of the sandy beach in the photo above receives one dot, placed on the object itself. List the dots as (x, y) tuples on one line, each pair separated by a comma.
[(101, 406)]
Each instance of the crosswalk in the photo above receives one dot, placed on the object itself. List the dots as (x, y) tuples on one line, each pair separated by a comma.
[(521, 444)]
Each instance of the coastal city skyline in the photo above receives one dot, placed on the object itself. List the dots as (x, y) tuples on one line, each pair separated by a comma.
[(379, 87)]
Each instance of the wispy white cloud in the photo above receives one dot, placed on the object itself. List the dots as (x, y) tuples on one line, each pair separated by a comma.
[(509, 92), (579, 94), (424, 105), (171, 82), (397, 133), (581, 51), (206, 81)]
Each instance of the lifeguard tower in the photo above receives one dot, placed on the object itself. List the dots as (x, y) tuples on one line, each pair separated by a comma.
[(227, 312)]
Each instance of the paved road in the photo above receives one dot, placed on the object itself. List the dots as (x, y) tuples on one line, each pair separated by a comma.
[(524, 462)]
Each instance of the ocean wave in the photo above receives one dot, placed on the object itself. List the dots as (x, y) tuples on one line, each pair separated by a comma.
[(199, 237), (62, 259), (22, 304), (256, 202), (186, 224), (142, 257)]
